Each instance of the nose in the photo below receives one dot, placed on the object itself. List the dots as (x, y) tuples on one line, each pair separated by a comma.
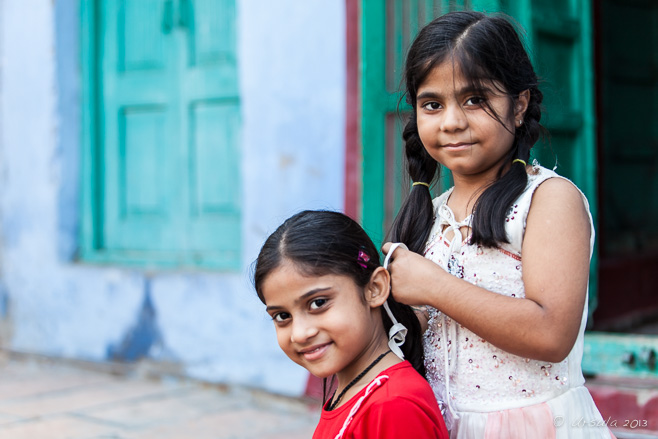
[(453, 119), (303, 330)]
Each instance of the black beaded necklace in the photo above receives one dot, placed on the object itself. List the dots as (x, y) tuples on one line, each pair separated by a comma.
[(334, 402)]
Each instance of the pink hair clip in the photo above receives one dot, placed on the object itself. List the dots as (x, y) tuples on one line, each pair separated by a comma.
[(363, 258)]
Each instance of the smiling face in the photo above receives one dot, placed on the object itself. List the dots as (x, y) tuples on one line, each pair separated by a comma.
[(324, 323), (456, 127)]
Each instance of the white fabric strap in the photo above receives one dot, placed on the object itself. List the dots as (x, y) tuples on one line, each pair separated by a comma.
[(446, 218), (398, 332)]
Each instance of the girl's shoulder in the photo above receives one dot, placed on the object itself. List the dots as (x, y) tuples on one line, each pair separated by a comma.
[(538, 174), (550, 194), (405, 380), (549, 182), (404, 407)]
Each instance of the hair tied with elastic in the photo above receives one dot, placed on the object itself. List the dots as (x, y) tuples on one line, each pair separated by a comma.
[(421, 183), (519, 161)]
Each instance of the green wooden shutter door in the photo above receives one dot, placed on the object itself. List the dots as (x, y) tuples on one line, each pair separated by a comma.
[(164, 136), (139, 115), (209, 98)]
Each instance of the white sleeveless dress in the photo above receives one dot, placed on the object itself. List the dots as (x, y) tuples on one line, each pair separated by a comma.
[(484, 391)]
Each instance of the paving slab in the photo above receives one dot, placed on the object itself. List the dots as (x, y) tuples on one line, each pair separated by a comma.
[(56, 400)]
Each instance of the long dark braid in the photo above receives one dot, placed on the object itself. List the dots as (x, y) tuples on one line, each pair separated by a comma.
[(412, 225)]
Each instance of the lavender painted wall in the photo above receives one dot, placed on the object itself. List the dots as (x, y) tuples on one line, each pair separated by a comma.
[(292, 78)]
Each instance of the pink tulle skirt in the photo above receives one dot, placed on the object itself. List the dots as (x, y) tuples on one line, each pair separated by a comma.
[(571, 415)]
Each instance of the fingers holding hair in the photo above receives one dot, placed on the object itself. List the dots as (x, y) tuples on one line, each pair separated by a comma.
[(412, 274), (389, 249)]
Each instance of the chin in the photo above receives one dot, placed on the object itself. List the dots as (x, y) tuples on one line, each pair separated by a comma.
[(321, 372), (315, 370)]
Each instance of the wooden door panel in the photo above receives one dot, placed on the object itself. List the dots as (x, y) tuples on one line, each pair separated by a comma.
[(213, 128), (142, 221), (138, 78), (209, 96), (141, 178), (211, 35), (141, 30), (558, 62)]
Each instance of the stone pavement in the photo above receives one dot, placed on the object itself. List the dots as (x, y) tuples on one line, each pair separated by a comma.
[(48, 399), (43, 398)]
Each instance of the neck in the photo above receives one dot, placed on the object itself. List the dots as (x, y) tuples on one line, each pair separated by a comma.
[(467, 189), (462, 199), (377, 346), (347, 375)]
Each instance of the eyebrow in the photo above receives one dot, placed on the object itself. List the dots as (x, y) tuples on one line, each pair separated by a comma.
[(299, 299), (462, 91)]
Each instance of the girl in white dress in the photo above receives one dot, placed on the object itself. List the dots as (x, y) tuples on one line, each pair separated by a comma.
[(502, 287)]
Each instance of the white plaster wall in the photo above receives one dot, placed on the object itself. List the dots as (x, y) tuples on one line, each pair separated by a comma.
[(291, 55), (292, 63), (56, 307), (293, 88)]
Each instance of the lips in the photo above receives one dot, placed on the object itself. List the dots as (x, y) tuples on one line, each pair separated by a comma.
[(457, 145), (314, 352)]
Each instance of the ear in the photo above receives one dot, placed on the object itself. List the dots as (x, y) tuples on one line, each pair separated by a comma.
[(378, 288), (521, 105)]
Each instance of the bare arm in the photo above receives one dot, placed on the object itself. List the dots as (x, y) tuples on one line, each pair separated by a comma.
[(556, 252)]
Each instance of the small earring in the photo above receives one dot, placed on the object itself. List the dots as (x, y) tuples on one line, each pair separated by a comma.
[(520, 122)]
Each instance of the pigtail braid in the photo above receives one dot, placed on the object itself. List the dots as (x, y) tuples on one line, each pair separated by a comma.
[(414, 220), (490, 210)]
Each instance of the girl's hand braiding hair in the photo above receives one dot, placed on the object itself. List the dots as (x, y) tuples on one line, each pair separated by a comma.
[(410, 274)]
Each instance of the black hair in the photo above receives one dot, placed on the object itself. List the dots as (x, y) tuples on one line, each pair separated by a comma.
[(488, 51), (321, 242)]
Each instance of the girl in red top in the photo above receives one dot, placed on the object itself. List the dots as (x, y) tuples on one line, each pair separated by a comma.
[(320, 278)]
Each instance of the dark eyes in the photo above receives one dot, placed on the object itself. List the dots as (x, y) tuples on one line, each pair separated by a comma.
[(472, 101), (318, 303), (281, 317), (475, 100), (431, 106), (314, 305)]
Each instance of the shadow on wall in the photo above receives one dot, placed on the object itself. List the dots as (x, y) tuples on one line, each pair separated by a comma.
[(142, 337)]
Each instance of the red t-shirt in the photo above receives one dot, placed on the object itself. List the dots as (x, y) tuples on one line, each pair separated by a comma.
[(399, 403)]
